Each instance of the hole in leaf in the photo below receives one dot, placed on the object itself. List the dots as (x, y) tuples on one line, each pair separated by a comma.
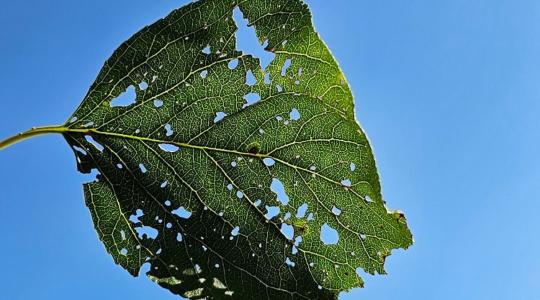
[(89, 124), (97, 145), (240, 194), (168, 130), (346, 182), (146, 232), (168, 147), (235, 231), (179, 237), (126, 98), (251, 98), (352, 166), (250, 78), (182, 212), (143, 168), (268, 161), (286, 65), (329, 236), (143, 85), (289, 262), (219, 116), (204, 73), (294, 114), (287, 216), (233, 64), (271, 211), (277, 187), (247, 41), (336, 211), (158, 103), (135, 218), (206, 50), (287, 230), (302, 209), (79, 149)]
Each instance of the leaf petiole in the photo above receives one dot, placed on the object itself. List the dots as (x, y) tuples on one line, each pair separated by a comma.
[(34, 131)]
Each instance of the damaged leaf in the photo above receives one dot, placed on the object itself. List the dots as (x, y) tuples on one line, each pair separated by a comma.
[(232, 180)]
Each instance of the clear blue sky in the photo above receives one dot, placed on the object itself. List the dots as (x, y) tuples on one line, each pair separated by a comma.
[(448, 91)]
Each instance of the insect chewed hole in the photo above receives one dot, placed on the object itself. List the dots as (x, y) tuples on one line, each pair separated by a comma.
[(168, 130), (88, 124), (301, 211), (247, 42), (346, 182), (352, 167), (250, 78), (271, 211), (168, 147), (79, 149), (143, 85), (251, 98), (286, 66), (294, 115), (233, 64), (158, 103), (143, 168), (268, 161), (206, 50), (126, 98), (239, 194), (235, 231), (135, 218), (368, 198), (97, 145), (204, 74), (329, 236), (182, 212), (146, 232), (277, 187), (287, 230), (336, 211), (289, 262), (219, 116)]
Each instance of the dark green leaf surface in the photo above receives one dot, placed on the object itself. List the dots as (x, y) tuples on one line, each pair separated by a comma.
[(190, 192)]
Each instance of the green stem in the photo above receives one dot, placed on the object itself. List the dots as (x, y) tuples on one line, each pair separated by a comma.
[(35, 131)]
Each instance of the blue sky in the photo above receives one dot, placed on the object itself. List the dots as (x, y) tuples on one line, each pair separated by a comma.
[(448, 92)]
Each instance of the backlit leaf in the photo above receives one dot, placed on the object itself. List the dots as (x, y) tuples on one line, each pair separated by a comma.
[(233, 181)]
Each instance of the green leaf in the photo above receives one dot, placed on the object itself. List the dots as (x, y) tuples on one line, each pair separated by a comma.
[(225, 188)]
